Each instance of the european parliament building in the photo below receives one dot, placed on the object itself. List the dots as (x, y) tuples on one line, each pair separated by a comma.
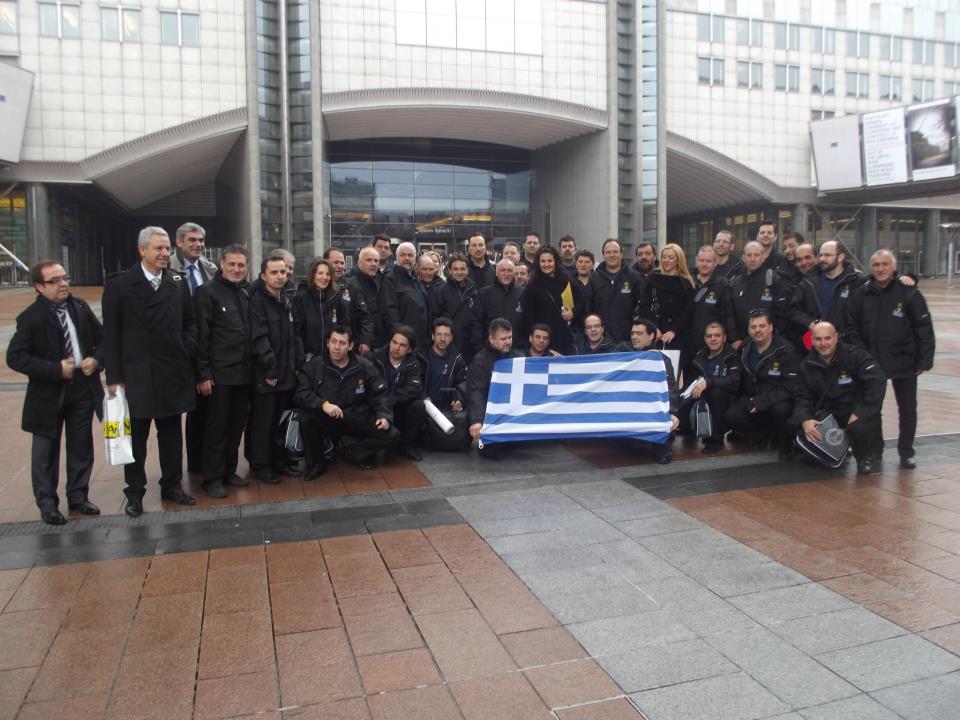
[(309, 123)]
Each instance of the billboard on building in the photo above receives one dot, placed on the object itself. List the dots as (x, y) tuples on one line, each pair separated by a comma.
[(932, 127), (16, 87), (836, 152), (885, 147)]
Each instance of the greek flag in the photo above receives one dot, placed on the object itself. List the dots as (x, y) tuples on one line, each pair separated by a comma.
[(618, 395)]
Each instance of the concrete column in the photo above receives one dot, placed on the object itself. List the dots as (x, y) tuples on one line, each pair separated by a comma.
[(930, 244), (868, 234), (39, 231), (800, 213)]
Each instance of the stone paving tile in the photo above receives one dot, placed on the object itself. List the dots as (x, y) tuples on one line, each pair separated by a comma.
[(619, 709), (836, 630), (572, 683), (662, 665), (628, 632), (352, 709), (501, 697), (397, 671), (733, 696), (932, 699), (464, 645), (858, 707), (889, 662), (775, 606), (430, 703), (542, 646), (560, 582)]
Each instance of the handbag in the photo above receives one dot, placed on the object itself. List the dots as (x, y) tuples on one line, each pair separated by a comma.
[(833, 447), (289, 435), (701, 421), (117, 437)]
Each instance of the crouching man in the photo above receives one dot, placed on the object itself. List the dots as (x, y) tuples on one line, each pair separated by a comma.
[(345, 399)]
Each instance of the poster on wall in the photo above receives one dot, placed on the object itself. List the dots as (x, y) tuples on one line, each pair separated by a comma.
[(931, 127), (885, 147), (836, 152), (16, 87)]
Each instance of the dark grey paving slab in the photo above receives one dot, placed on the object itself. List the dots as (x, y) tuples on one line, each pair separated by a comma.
[(836, 630), (859, 707), (936, 698), (890, 662), (781, 604), (628, 632), (789, 674), (648, 668), (598, 604), (728, 697)]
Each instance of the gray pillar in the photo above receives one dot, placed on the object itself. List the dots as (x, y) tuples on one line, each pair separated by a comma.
[(39, 232), (868, 234), (930, 245), (800, 213)]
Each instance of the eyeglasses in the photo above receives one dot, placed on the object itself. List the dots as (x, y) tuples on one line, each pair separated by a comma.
[(57, 280), (758, 312)]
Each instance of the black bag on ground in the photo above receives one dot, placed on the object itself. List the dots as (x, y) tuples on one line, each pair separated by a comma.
[(701, 421)]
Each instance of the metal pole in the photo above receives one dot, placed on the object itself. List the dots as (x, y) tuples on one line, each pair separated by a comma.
[(950, 260)]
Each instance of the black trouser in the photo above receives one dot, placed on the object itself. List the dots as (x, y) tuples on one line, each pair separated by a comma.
[(763, 423), (905, 391), (409, 417), (226, 418), (170, 447), (75, 415), (360, 438), (196, 425), (265, 452), (866, 436), (718, 400)]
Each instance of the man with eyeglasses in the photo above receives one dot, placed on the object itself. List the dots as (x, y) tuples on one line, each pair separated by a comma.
[(823, 293), (57, 345), (728, 264)]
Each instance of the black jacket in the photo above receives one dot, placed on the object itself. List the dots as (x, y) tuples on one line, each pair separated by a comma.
[(276, 346), (479, 375), (614, 296), (806, 299), (36, 349), (357, 389), (453, 380), (893, 324), (763, 288), (405, 304), (484, 276), (149, 338), (364, 288), (355, 306), (223, 332), (581, 345), (667, 301), (497, 301), (456, 301), (731, 268), (315, 312), (409, 384), (727, 376), (542, 302), (852, 383), (772, 380), (708, 303)]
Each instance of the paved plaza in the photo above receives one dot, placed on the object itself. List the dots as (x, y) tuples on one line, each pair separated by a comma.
[(577, 581)]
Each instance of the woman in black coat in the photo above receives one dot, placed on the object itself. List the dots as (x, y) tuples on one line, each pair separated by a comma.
[(667, 299), (547, 300), (318, 306), (454, 300)]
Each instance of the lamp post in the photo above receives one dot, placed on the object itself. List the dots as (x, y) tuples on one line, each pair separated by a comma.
[(954, 229)]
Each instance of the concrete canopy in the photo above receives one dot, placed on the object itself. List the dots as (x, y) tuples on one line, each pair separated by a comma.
[(512, 119), (700, 179)]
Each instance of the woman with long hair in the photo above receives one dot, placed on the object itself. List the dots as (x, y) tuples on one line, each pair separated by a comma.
[(318, 306), (553, 299), (667, 298)]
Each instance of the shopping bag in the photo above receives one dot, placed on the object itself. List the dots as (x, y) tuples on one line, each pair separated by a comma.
[(117, 438)]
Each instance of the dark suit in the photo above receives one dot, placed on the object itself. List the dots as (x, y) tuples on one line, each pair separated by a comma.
[(149, 338), (51, 403)]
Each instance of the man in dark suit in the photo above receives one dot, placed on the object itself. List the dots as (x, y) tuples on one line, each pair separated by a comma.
[(57, 345), (150, 334)]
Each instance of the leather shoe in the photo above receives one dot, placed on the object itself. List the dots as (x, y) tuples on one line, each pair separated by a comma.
[(312, 472), (85, 507), (366, 464), (53, 517), (178, 496), (908, 463), (236, 481), (411, 454), (215, 489), (266, 476), (134, 508), (665, 459), (866, 467)]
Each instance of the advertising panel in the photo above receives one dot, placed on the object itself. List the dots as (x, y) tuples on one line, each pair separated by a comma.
[(16, 87), (885, 147), (932, 127), (836, 152)]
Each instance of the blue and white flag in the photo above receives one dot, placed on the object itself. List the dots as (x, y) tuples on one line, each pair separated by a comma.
[(618, 395)]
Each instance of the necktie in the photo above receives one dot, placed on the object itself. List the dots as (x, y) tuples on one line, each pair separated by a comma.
[(192, 278), (155, 282), (65, 330)]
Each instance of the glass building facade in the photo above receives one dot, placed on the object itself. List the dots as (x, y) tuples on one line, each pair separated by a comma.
[(435, 193)]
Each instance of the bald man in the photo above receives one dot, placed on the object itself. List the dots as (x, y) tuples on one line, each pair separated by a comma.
[(405, 302), (891, 321), (757, 288)]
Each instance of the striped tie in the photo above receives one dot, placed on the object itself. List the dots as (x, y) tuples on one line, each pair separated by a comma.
[(155, 282), (65, 330)]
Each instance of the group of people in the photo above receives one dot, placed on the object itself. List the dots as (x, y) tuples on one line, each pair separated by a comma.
[(367, 356)]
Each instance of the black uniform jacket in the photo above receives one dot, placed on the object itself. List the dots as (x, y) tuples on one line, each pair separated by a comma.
[(453, 382), (727, 376), (357, 312), (581, 346), (773, 379), (708, 300), (364, 288), (276, 345), (497, 301), (410, 381), (357, 389), (36, 349), (223, 332), (763, 288), (148, 340), (405, 305), (851, 383), (806, 299), (315, 312), (893, 324), (613, 296), (481, 276), (455, 301), (478, 380)]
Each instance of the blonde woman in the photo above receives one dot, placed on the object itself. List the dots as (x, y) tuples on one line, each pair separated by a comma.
[(667, 299)]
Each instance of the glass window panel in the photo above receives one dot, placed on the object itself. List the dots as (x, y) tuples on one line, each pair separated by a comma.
[(394, 189), (816, 81), (851, 44), (433, 178), (703, 28), (392, 176), (433, 191), (169, 30), (190, 30), (480, 178), (109, 24), (829, 41), (717, 28), (743, 74), (717, 72), (49, 23), (471, 191), (793, 73), (70, 21), (8, 18), (756, 75), (703, 71), (756, 33), (131, 25), (793, 37), (816, 39), (780, 77), (829, 82), (780, 36), (864, 82), (743, 32)]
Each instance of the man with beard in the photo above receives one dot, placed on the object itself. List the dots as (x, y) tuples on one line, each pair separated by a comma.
[(615, 291), (481, 269), (530, 247), (399, 366), (446, 385), (568, 255), (823, 293), (499, 346), (646, 256), (728, 264)]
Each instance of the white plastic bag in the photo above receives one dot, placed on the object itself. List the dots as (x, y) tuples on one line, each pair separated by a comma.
[(117, 438)]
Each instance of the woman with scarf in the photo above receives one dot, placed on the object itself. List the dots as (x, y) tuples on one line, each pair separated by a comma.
[(318, 306), (551, 298)]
